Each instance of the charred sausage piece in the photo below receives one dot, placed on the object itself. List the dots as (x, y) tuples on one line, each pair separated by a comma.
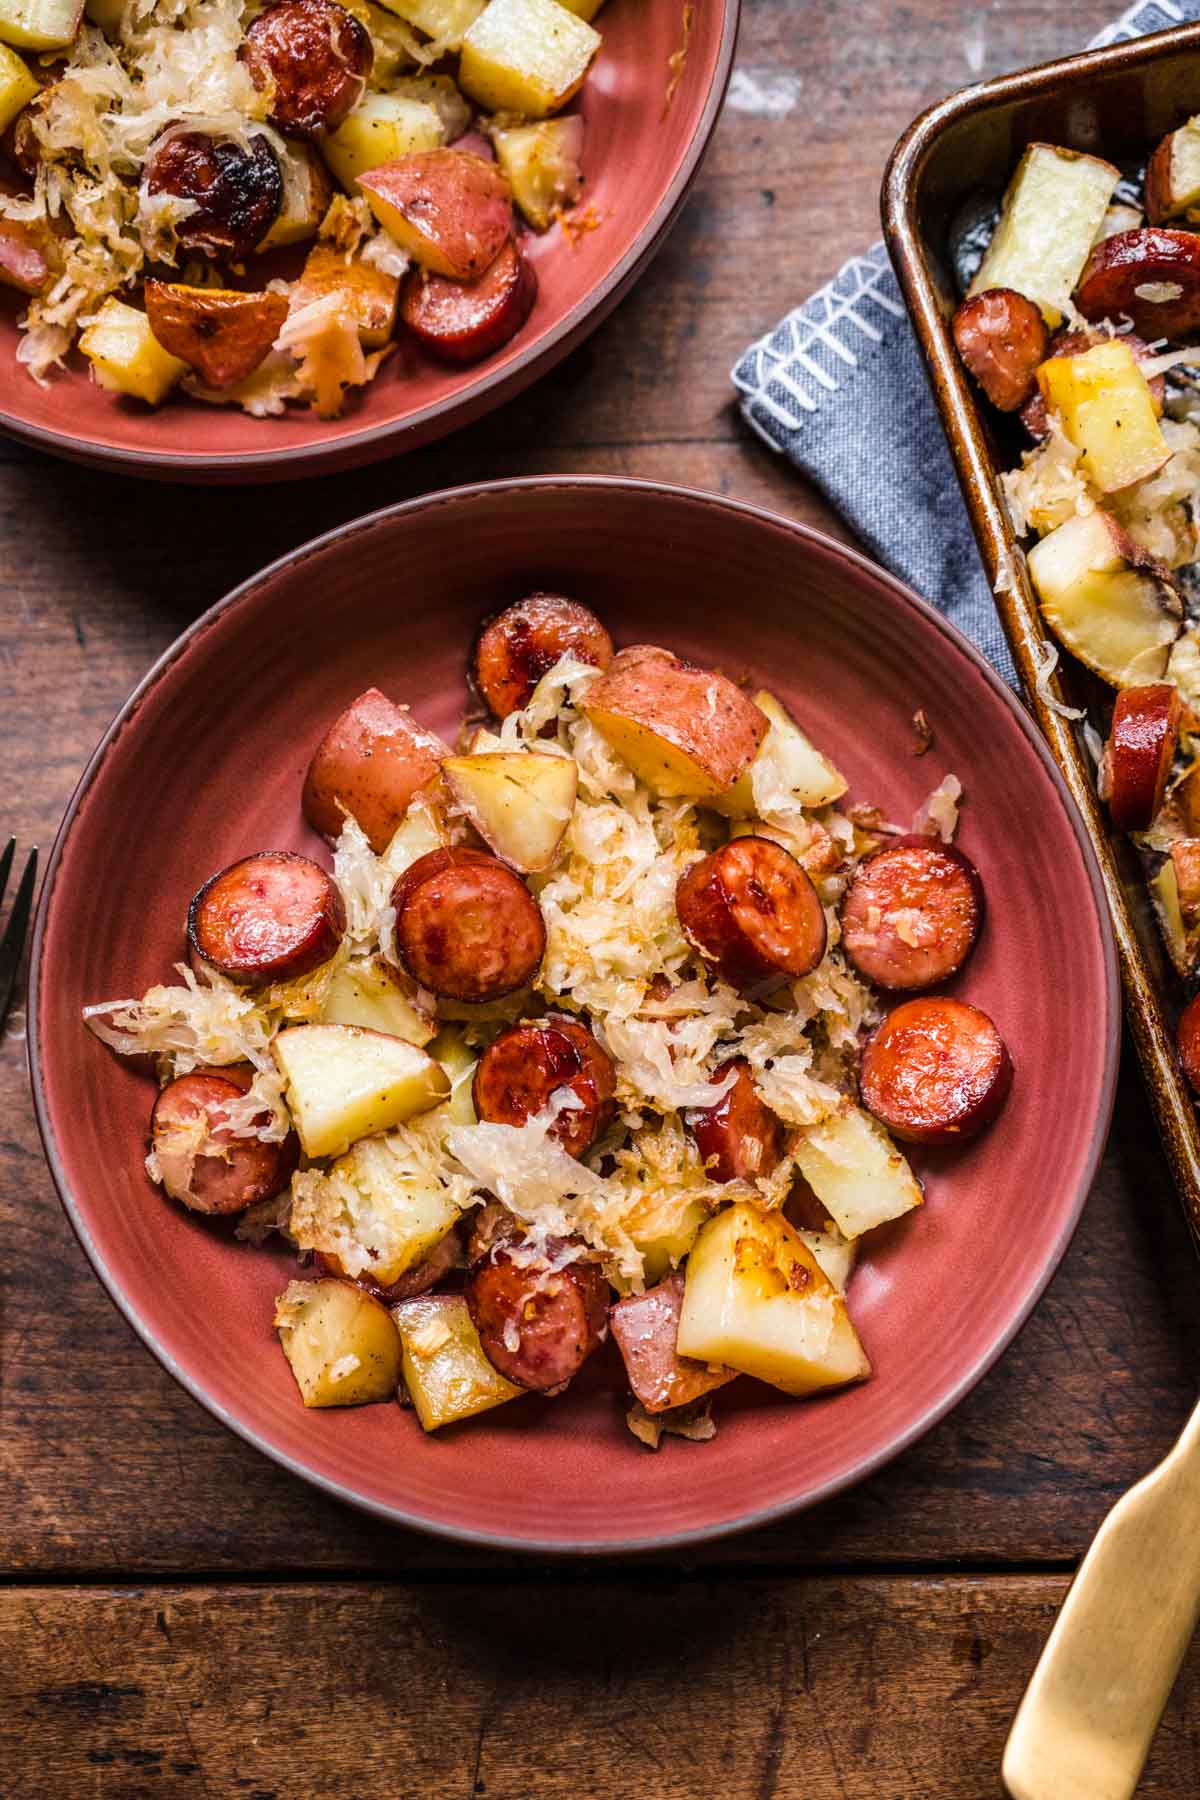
[(740, 1137), (936, 1071), (270, 917), (752, 912), (313, 58), (646, 1328), (1187, 1036), (203, 1163), (462, 321), (1001, 336), (537, 1324), (1139, 753), (237, 192), (525, 1065), (467, 928), (516, 648), (1076, 343), (912, 914)]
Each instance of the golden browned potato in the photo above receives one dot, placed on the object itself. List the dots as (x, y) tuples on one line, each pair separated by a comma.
[(221, 333), (370, 763), (368, 294), (682, 730)]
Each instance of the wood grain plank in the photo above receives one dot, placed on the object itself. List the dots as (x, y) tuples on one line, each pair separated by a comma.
[(807, 1689)]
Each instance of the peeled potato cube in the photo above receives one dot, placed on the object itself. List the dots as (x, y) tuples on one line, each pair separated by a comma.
[(341, 1343), (1107, 411), (755, 1299), (543, 165), (520, 802), (445, 21), (1112, 605), (367, 295), (371, 993), (379, 129), (447, 1375), (126, 357), (307, 191), (799, 767), (835, 1253), (459, 1061), (1052, 211), (374, 1213), (40, 24), (526, 56), (345, 1083), (857, 1173), (17, 85), (684, 731)]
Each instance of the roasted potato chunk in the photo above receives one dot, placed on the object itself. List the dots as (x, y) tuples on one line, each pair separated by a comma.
[(223, 335), (341, 1343)]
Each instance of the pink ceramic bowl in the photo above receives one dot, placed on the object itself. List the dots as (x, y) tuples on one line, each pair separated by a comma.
[(204, 764), (640, 161)]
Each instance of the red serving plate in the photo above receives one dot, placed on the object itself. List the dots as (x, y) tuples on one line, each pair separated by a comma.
[(640, 159), (204, 764)]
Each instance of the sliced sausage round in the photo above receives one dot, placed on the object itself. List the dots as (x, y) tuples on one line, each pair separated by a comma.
[(270, 917), (1187, 1036), (1139, 753), (202, 1162), (313, 59), (462, 321), (912, 914), (237, 190), (751, 911), (1151, 275), (1001, 336), (516, 648), (936, 1071), (525, 1065), (467, 928), (740, 1137), (537, 1324)]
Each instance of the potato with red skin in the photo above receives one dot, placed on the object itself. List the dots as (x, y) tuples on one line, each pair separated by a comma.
[(270, 917), (237, 192), (739, 1136), (912, 913), (753, 913), (683, 730), (526, 1064), (467, 928), (371, 762), (221, 333), (460, 322), (1034, 416), (1139, 753), (1125, 272), (451, 211), (27, 255), (1187, 1038), (646, 1327), (936, 1071), (202, 1163), (314, 58), (1185, 859), (537, 1325), (1001, 337), (517, 647)]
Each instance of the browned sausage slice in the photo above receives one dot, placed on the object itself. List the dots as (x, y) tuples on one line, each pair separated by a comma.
[(237, 191), (525, 1065), (912, 913), (1001, 336), (1139, 753), (370, 763), (936, 1071), (1151, 275), (740, 1137), (313, 58), (1187, 1036), (467, 928), (203, 1164), (646, 1329), (516, 648), (752, 912), (537, 1324), (462, 321), (269, 917)]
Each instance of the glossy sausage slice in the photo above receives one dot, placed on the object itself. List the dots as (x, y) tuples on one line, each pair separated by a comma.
[(1187, 1036), (912, 913), (936, 1071), (1139, 753), (752, 912), (270, 917), (462, 321), (1151, 275), (525, 1065), (537, 1324), (237, 191), (370, 763), (1001, 336), (646, 1328), (203, 1164), (467, 928), (516, 648), (313, 58), (740, 1137)]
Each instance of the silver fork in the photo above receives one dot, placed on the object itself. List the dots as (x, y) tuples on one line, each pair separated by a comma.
[(13, 942)]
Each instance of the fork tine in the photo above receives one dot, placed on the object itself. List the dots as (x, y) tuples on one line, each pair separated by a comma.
[(6, 862), (13, 942)]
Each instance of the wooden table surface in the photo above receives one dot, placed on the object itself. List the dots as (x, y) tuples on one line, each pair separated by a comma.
[(179, 1617)]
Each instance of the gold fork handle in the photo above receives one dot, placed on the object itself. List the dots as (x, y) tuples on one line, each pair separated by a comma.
[(1084, 1726)]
